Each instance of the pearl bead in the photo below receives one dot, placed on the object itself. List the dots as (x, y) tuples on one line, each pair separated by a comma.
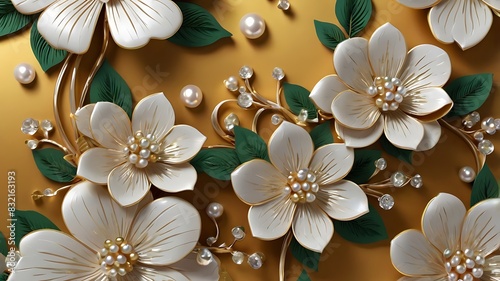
[(252, 26), (109, 260), (142, 163), (215, 210), (113, 249), (467, 174), (126, 249), (145, 153), (191, 96), (24, 73), (121, 259), (132, 158)]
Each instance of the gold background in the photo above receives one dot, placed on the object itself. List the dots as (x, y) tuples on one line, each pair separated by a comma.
[(290, 42)]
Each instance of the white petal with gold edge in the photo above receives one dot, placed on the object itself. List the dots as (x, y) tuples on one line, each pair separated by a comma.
[(402, 130), (354, 110), (312, 228), (96, 163), (31, 6), (427, 101), (153, 115), (419, 4), (325, 91), (110, 125), (387, 51), (360, 138), (196, 272), (172, 178), (352, 65), (332, 162), (153, 273), (494, 4), (182, 143), (432, 134), (82, 120), (343, 200), (273, 219), (481, 228), (128, 184)]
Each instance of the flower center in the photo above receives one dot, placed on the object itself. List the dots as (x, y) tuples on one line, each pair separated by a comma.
[(117, 257), (463, 265), (142, 149), (302, 186), (388, 92)]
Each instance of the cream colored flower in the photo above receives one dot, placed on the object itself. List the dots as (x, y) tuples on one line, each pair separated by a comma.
[(70, 24), (134, 154), (152, 240), (300, 188), (382, 88), (455, 244)]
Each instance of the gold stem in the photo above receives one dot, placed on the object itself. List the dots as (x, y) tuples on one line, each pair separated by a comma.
[(55, 143), (284, 248), (37, 194), (215, 121), (72, 95)]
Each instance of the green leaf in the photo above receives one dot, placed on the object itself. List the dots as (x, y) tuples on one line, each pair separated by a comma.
[(485, 186), (401, 154), (218, 163), (353, 15), (368, 228), (297, 98), (51, 163), (321, 135), (4, 276), (364, 165), (304, 256), (28, 221), (199, 28), (44, 53), (329, 34), (10, 19), (109, 86), (304, 276), (249, 145), (3, 245), (469, 93)]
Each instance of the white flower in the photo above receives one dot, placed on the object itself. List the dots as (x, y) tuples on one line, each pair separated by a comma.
[(150, 149), (455, 244), (149, 241), (70, 24), (380, 88), (301, 188)]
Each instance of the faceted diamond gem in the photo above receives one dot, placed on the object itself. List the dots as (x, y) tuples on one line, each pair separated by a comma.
[(278, 73), (381, 164), (417, 181), (386, 202), (29, 126), (276, 119), (46, 125), (398, 179), (211, 240), (12, 259), (231, 83), (478, 136), (230, 121), (284, 5), (302, 115), (204, 257), (238, 257), (246, 72), (32, 144), (486, 147), (255, 260), (245, 100), (238, 232), (48, 192)]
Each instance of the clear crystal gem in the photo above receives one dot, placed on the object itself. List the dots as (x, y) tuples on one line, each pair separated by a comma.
[(278, 73), (398, 179), (479, 136), (46, 125), (246, 72), (488, 122), (231, 83), (417, 181), (302, 115), (242, 89), (238, 232), (386, 202), (48, 192), (284, 5), (29, 126), (211, 240), (32, 144), (12, 259), (238, 257), (245, 100), (204, 257), (255, 261), (497, 123), (475, 117), (381, 164), (276, 119), (486, 147), (230, 121)]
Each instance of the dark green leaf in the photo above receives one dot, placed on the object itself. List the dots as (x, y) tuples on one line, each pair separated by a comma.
[(304, 276), (297, 98), (44, 53), (469, 92), (304, 256), (28, 221), (329, 34), (353, 15), (10, 19), (51, 163), (368, 228), (4, 276), (485, 186), (109, 86), (199, 28), (401, 154), (249, 145), (321, 135), (3, 245), (364, 165), (218, 163)]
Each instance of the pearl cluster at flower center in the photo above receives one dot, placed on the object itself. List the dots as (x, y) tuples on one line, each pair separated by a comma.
[(463, 265), (142, 149), (302, 186), (388, 92), (117, 257)]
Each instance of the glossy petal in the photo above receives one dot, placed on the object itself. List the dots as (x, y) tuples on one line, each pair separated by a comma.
[(182, 143), (355, 111), (352, 65), (290, 148), (491, 269), (133, 23), (31, 6), (402, 130), (481, 228), (272, 219), (96, 163), (195, 272), (172, 178), (420, 4), (82, 119), (128, 184), (153, 115), (387, 50), (494, 4), (110, 125), (432, 134), (428, 278), (360, 138), (325, 91), (412, 254), (147, 272), (165, 231), (427, 101), (332, 162), (312, 228), (70, 24), (343, 200)]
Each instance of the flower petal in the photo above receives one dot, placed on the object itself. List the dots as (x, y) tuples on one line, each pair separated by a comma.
[(481, 228), (165, 231), (325, 91), (425, 278), (54, 255), (494, 4), (182, 143), (196, 272), (110, 125), (387, 50), (142, 272), (352, 65), (128, 184), (355, 111), (153, 115), (96, 163), (273, 219), (70, 24), (290, 148), (343, 200), (360, 138), (402, 130), (332, 162), (428, 103), (465, 21), (312, 228), (432, 133), (172, 178), (412, 254), (420, 4), (31, 6), (133, 23), (491, 269), (82, 119), (425, 66)]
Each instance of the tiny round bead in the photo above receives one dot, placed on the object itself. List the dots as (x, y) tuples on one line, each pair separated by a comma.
[(477, 272), (296, 186), (238, 257), (142, 163), (139, 135), (109, 260), (121, 259), (144, 153), (144, 143), (215, 210), (468, 277), (461, 268), (468, 253), (133, 158), (126, 249), (314, 187), (122, 271), (113, 249), (113, 272)]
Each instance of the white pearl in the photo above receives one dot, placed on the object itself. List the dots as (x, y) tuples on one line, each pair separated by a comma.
[(122, 271), (144, 143), (154, 148), (121, 259), (296, 186), (145, 153), (126, 249), (452, 276), (109, 260), (103, 252), (252, 26), (477, 272), (215, 210), (113, 249), (306, 186), (461, 268), (132, 158), (468, 277), (112, 272), (467, 174), (142, 163), (24, 73), (191, 96)]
